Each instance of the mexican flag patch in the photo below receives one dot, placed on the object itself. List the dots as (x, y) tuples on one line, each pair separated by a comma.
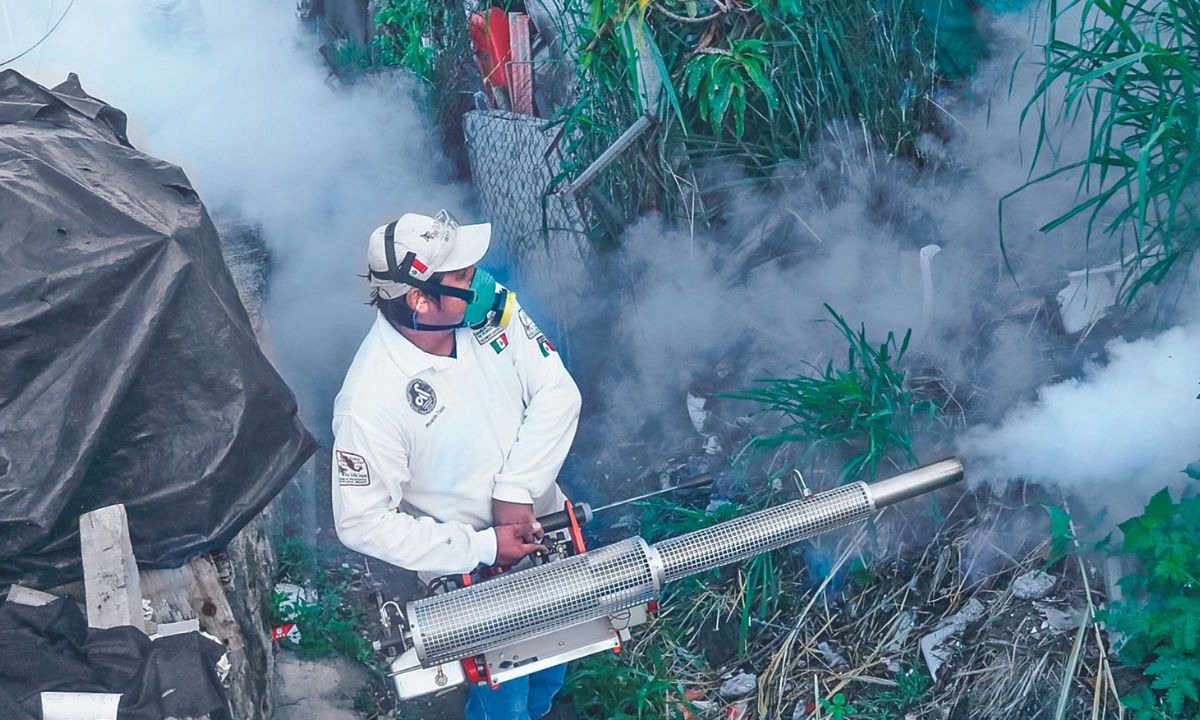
[(545, 345), (500, 343)]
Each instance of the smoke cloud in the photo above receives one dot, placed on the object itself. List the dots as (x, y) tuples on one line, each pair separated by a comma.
[(694, 312), (237, 94), (1119, 433)]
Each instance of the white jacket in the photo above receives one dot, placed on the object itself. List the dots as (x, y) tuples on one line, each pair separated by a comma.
[(423, 443)]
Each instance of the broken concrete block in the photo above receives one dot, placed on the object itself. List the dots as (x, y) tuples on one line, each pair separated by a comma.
[(738, 686), (1059, 621), (832, 658), (1033, 585)]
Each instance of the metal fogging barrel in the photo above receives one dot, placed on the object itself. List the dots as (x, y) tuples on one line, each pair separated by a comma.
[(608, 580)]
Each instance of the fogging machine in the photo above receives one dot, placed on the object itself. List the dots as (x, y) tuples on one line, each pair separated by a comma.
[(576, 602)]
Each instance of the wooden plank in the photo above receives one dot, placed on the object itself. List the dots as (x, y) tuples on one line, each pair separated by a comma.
[(113, 590), (520, 69), (193, 591)]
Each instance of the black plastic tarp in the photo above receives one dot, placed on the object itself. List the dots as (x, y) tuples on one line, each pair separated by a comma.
[(51, 649), (129, 371)]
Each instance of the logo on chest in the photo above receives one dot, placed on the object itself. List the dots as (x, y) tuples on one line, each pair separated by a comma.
[(421, 397)]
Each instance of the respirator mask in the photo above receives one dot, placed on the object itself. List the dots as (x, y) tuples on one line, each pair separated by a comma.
[(488, 304)]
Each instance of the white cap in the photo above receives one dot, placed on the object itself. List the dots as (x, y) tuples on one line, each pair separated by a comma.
[(436, 244)]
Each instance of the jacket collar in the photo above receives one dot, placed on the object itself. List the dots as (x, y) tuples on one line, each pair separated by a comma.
[(411, 359)]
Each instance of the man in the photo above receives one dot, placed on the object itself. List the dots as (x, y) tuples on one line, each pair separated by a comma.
[(452, 424)]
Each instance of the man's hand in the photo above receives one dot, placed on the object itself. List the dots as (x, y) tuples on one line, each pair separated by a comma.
[(514, 542), (507, 513)]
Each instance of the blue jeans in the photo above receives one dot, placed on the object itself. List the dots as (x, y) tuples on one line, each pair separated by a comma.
[(527, 698)]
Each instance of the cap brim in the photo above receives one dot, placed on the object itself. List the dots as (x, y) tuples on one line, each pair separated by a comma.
[(470, 245)]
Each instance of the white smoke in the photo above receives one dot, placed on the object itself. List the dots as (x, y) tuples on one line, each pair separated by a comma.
[(237, 94), (1114, 436), (847, 229)]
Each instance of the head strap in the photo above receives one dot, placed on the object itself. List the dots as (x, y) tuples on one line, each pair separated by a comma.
[(402, 272)]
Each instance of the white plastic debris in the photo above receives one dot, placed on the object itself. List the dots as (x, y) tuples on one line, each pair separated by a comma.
[(738, 686), (696, 411), (712, 446), (223, 668), (1087, 297), (293, 596), (935, 646), (177, 628), (1033, 585), (926, 255), (714, 505)]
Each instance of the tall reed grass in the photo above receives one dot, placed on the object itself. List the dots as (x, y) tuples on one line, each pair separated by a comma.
[(1131, 75)]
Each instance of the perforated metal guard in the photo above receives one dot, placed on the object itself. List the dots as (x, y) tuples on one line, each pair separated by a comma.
[(756, 533), (605, 581), (533, 602)]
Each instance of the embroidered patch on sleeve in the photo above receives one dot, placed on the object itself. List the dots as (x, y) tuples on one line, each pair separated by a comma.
[(545, 345), (531, 328), (487, 333), (352, 469)]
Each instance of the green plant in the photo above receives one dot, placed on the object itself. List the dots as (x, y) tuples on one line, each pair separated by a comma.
[(328, 624), (663, 518), (1062, 537), (837, 708), (719, 80), (911, 687), (613, 687), (349, 55), (864, 406), (760, 593), (407, 30), (1161, 618), (749, 84), (1133, 76)]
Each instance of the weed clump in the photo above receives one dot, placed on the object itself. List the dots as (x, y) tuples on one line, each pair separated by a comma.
[(1131, 76), (864, 406), (1161, 618)]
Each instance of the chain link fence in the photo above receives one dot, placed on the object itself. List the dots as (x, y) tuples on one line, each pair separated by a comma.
[(513, 160), (542, 235)]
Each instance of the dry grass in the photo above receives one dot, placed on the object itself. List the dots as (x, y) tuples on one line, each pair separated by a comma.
[(858, 633)]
